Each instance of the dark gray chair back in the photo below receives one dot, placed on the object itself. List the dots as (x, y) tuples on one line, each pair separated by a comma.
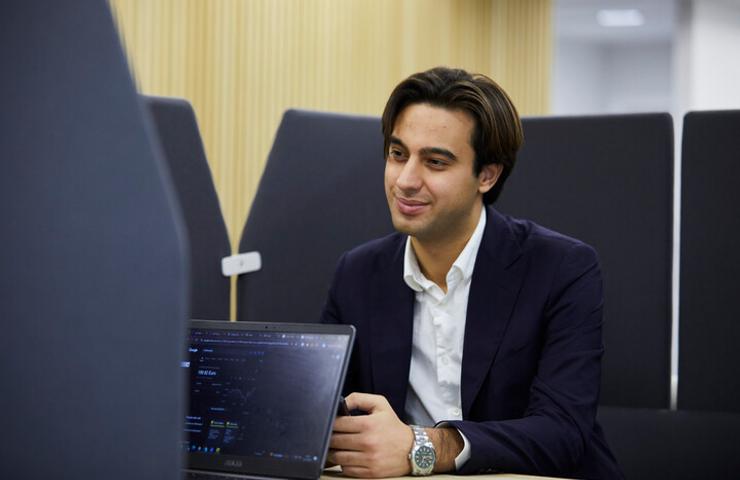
[(709, 314), (177, 128), (607, 180), (93, 271), (321, 194), (680, 445)]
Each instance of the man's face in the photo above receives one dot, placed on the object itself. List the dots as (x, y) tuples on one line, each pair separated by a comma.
[(432, 191)]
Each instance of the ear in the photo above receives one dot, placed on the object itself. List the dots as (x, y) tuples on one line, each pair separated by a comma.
[(488, 176)]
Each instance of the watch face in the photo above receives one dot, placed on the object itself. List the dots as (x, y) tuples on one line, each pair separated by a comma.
[(424, 457)]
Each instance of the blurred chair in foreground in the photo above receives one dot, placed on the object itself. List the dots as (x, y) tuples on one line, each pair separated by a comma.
[(93, 270)]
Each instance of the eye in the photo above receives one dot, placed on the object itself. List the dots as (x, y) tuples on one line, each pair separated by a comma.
[(395, 154), (436, 163)]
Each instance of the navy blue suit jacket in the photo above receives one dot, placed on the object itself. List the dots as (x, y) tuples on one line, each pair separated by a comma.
[(532, 350)]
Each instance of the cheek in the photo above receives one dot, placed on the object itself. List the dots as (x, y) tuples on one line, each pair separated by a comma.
[(456, 190), (390, 176)]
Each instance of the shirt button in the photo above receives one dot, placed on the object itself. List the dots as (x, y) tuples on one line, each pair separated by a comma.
[(455, 412), (445, 361)]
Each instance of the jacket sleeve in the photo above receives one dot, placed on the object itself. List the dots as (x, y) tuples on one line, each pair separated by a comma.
[(332, 314), (552, 435)]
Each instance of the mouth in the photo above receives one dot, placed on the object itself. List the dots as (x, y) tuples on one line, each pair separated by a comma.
[(410, 207)]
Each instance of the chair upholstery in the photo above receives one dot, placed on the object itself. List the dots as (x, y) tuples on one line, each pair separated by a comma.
[(93, 271), (657, 443), (607, 180), (177, 128), (321, 194), (709, 330)]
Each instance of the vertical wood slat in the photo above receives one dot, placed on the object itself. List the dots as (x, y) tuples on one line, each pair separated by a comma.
[(241, 63)]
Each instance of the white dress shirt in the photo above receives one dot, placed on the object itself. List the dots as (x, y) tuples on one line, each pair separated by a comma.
[(439, 329)]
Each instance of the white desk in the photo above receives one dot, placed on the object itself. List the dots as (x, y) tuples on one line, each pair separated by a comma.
[(334, 475)]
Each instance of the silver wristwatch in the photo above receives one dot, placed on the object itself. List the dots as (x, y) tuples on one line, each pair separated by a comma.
[(422, 455)]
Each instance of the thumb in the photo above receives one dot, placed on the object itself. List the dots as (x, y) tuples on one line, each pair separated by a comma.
[(367, 402)]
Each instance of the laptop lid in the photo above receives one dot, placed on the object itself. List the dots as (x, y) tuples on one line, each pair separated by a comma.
[(263, 396)]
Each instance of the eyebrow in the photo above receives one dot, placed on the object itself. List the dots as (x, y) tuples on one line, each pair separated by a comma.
[(439, 151), (427, 150)]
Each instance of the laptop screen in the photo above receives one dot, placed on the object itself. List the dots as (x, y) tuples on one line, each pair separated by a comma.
[(263, 397)]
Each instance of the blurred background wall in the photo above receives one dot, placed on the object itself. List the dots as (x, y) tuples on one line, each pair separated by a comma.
[(242, 63), (622, 56)]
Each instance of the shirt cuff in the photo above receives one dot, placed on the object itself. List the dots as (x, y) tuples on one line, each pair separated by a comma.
[(463, 456)]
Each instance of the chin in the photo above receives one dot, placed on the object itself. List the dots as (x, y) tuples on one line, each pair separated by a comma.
[(404, 226)]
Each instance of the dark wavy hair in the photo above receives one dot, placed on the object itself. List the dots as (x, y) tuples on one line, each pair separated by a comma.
[(497, 135)]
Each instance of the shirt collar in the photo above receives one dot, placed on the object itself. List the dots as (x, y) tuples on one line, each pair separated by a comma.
[(464, 263)]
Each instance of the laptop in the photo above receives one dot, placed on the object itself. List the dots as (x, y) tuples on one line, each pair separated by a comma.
[(262, 397)]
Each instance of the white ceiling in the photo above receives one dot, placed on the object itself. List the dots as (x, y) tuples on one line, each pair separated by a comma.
[(576, 20)]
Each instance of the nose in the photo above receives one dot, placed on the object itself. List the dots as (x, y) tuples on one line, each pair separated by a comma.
[(409, 179)]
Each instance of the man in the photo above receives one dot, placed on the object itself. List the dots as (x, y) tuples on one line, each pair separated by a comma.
[(481, 331)]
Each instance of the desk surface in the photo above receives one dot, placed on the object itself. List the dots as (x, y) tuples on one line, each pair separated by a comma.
[(334, 475)]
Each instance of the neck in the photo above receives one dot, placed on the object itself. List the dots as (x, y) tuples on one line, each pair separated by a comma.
[(435, 257)]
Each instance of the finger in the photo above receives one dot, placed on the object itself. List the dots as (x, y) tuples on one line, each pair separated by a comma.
[(357, 472), (350, 424), (347, 441), (366, 402), (346, 458)]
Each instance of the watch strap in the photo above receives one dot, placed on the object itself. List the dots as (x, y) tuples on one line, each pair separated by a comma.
[(421, 439), (420, 435)]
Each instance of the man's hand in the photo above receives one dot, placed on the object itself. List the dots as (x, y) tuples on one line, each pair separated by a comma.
[(373, 445), (378, 444)]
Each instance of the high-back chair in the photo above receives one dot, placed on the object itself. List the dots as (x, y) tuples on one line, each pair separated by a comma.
[(321, 194), (607, 180), (709, 314), (183, 150)]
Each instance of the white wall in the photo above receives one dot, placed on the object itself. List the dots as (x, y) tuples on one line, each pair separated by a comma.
[(710, 45), (590, 78), (638, 78), (578, 78), (686, 57)]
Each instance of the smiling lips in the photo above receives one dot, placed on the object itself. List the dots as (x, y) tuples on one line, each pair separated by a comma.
[(410, 207)]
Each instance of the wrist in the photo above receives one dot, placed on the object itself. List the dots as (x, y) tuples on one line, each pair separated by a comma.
[(448, 444)]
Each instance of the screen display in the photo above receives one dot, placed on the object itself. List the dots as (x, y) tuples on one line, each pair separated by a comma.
[(267, 396)]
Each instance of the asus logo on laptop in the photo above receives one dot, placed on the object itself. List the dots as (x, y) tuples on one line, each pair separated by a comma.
[(233, 463)]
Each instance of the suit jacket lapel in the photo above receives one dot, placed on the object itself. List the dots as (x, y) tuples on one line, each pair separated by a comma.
[(391, 326), (494, 288)]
